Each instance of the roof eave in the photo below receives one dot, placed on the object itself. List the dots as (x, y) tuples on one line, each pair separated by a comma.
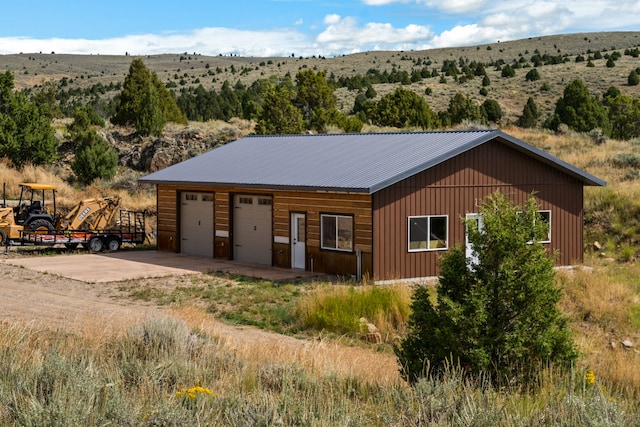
[(270, 187)]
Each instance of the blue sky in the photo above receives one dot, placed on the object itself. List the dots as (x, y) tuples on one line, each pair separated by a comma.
[(300, 27)]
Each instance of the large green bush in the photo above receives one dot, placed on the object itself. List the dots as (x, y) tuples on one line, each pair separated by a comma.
[(95, 159), (496, 312), (403, 108), (579, 110), (26, 135)]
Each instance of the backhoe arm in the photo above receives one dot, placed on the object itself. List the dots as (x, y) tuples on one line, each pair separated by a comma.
[(91, 214)]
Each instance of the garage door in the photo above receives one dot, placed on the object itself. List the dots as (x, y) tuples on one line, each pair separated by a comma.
[(196, 224), (252, 229)]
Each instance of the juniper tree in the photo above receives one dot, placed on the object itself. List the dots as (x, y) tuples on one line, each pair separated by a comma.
[(496, 312)]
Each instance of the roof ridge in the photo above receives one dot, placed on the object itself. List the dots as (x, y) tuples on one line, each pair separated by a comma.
[(300, 135)]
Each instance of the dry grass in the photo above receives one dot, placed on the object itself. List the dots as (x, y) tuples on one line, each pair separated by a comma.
[(320, 357), (142, 198), (601, 301)]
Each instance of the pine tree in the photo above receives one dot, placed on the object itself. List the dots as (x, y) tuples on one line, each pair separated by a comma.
[(26, 135), (581, 111), (315, 98), (529, 117), (279, 115), (94, 158), (150, 119), (135, 93)]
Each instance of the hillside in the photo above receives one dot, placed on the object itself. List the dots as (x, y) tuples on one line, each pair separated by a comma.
[(192, 69)]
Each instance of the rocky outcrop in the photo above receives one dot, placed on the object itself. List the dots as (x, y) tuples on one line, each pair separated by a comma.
[(149, 154)]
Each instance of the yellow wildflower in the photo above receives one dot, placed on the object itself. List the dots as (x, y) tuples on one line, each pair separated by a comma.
[(590, 377), (193, 392)]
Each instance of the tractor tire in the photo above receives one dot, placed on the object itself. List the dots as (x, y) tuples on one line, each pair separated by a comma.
[(113, 244), (41, 226), (96, 244), (3, 238)]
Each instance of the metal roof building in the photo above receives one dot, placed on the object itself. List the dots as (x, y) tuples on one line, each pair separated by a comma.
[(384, 205), (362, 163)]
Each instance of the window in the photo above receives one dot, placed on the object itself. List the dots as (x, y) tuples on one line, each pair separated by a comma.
[(428, 233), (544, 234), (336, 232), (246, 200), (545, 217)]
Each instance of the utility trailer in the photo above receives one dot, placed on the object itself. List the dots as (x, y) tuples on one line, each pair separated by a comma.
[(130, 228)]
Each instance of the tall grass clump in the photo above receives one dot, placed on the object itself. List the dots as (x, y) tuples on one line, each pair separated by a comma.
[(339, 309)]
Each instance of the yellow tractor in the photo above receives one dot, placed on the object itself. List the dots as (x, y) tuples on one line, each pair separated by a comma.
[(32, 214), (33, 211)]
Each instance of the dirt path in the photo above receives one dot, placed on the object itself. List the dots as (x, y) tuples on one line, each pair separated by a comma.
[(59, 303)]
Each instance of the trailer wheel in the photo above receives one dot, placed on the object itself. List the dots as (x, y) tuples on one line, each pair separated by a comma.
[(96, 244), (113, 244)]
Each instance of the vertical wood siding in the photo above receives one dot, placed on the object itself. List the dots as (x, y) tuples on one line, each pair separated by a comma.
[(457, 187)]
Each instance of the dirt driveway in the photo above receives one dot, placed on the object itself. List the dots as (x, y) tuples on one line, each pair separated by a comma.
[(33, 292)]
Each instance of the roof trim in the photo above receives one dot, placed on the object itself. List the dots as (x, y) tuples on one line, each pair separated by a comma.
[(519, 145), (258, 186)]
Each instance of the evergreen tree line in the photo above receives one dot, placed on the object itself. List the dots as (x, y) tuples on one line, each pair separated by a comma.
[(279, 105)]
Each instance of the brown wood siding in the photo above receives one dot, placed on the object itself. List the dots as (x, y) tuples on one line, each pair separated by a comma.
[(167, 218), (459, 186), (284, 203), (221, 224)]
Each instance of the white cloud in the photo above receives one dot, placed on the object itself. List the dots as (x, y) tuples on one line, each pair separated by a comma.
[(332, 19), (208, 41), (344, 35), (455, 6), (470, 22)]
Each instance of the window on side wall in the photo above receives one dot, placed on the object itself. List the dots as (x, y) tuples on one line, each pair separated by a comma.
[(545, 235), (542, 234), (336, 232), (428, 233)]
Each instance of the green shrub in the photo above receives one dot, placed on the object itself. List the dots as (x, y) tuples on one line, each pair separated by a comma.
[(533, 75), (95, 159), (496, 312), (626, 160)]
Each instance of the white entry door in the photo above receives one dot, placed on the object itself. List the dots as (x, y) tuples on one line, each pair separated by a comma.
[(472, 257), (196, 224), (298, 241)]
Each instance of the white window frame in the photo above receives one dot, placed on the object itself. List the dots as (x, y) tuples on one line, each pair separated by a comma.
[(428, 247), (336, 247), (548, 239)]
